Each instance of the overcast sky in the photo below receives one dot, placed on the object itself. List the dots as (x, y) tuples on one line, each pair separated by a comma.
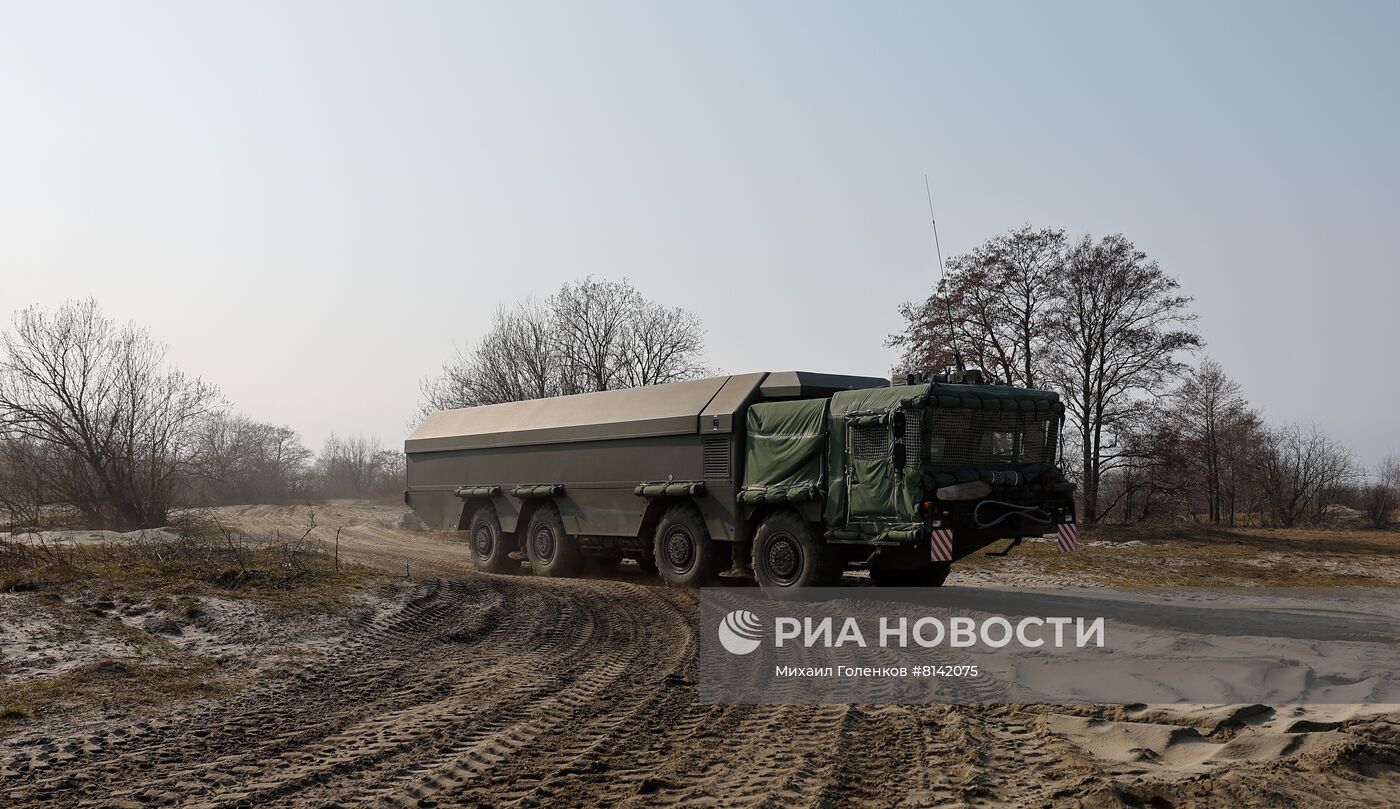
[(312, 203)]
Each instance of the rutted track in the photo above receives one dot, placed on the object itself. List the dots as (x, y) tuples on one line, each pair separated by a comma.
[(472, 689)]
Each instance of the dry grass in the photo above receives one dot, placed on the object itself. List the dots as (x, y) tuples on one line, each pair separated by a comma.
[(205, 560), (112, 683), (1206, 556), (287, 577)]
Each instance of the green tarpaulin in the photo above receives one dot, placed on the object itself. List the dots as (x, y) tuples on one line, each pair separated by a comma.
[(785, 443), (864, 486)]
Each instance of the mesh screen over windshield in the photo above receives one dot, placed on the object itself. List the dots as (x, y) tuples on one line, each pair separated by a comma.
[(869, 442), (978, 438), (913, 434), (872, 441)]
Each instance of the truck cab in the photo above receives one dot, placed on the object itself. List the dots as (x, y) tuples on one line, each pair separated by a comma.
[(901, 480)]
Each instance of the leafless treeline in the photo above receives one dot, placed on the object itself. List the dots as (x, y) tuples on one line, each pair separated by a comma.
[(1147, 435), (591, 335), (1203, 451), (98, 429)]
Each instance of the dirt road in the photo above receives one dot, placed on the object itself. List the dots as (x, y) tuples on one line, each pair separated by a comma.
[(470, 689)]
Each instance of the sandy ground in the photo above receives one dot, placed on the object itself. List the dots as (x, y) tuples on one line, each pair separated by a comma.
[(448, 687)]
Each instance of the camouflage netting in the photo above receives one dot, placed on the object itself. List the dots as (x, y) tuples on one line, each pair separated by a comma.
[(865, 486)]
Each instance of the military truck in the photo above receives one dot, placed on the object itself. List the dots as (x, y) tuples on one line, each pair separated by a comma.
[(790, 477)]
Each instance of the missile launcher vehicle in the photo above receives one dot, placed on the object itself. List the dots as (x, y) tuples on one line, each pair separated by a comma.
[(791, 477)]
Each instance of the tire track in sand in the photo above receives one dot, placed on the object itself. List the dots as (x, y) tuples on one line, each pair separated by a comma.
[(473, 689)]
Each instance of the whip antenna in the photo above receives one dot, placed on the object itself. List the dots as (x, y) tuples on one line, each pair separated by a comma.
[(943, 278)]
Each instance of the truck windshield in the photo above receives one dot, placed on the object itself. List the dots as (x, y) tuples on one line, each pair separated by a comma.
[(964, 438)]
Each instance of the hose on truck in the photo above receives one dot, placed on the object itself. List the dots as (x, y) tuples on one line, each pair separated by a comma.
[(1013, 510)]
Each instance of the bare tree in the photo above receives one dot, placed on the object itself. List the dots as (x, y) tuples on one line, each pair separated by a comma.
[(239, 460), (284, 462), (1300, 470), (1098, 322), (521, 359), (515, 360), (1382, 495), (1215, 426), (1239, 442), (964, 318), (102, 397), (591, 323), (1117, 330), (591, 335), (1029, 264), (659, 344), (27, 484), (357, 466), (999, 298), (224, 454), (1148, 481)]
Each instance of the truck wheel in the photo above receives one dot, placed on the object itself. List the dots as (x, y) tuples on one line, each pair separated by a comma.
[(684, 553), (927, 576), (788, 553), (490, 549), (552, 552)]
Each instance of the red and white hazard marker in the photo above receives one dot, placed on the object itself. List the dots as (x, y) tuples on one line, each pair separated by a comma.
[(1069, 536), (941, 540)]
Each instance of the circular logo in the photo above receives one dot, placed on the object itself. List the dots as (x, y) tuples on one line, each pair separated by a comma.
[(739, 632)]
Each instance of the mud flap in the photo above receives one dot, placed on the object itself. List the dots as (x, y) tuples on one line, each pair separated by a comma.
[(1068, 536), (941, 545)]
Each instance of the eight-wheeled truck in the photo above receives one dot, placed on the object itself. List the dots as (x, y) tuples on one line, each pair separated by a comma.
[(793, 477)]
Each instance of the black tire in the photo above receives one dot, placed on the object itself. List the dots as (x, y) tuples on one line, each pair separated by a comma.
[(788, 552), (551, 550), (927, 576), (684, 554), (490, 547)]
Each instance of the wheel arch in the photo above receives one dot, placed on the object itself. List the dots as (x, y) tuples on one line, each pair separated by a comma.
[(526, 513), (470, 506), (809, 512), (655, 510)]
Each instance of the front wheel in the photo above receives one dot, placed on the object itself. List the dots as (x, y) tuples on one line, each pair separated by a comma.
[(787, 552), (927, 576)]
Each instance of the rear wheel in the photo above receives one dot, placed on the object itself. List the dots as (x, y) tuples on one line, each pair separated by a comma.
[(552, 552), (787, 552), (684, 554), (927, 576), (490, 549)]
